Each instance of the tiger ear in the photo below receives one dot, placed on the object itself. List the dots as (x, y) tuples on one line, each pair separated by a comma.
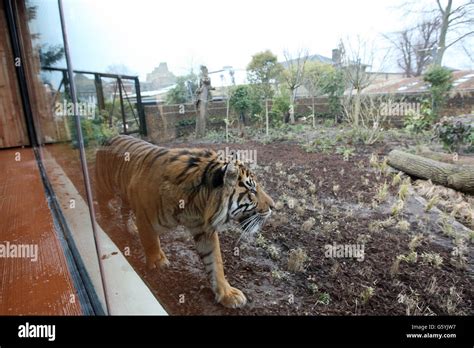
[(231, 174)]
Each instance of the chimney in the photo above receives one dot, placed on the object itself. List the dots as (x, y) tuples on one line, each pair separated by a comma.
[(336, 56)]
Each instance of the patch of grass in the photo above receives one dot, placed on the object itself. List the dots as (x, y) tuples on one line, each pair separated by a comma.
[(397, 179), (433, 287), (471, 236), (367, 294), (273, 252), (446, 226), (346, 152), (308, 224), (454, 299), (278, 274), (459, 258), (261, 241), (313, 288), (378, 225), (374, 160), (412, 304), (433, 259), (415, 242), (403, 225), (383, 167), (397, 207), (404, 189), (431, 203), (411, 257), (382, 193), (324, 298), (296, 260)]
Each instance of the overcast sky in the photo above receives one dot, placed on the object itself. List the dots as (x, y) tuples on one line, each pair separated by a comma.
[(142, 33)]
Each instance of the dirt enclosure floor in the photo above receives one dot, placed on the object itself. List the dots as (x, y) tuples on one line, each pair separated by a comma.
[(410, 265)]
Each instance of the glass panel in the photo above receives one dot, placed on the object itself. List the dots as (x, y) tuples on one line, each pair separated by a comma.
[(49, 86)]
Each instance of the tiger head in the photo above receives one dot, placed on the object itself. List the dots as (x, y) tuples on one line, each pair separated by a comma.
[(247, 202)]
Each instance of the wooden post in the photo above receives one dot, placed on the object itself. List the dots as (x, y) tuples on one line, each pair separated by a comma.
[(202, 102), (227, 119), (266, 116)]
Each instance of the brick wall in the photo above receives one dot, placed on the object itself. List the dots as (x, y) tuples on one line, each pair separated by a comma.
[(168, 122)]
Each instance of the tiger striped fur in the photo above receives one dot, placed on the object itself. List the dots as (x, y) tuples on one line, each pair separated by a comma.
[(190, 187)]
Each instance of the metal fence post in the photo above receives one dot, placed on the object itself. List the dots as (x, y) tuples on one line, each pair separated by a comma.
[(141, 111)]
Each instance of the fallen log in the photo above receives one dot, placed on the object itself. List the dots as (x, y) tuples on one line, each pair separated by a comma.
[(458, 177), (446, 157)]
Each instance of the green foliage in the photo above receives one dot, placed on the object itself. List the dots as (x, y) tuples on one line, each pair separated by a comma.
[(186, 122), (316, 77), (346, 152), (263, 70), (333, 86), (50, 54), (93, 129), (471, 141), (453, 134), (323, 144), (256, 100), (180, 94), (241, 99), (246, 100), (417, 122), (366, 135), (440, 80), (280, 107)]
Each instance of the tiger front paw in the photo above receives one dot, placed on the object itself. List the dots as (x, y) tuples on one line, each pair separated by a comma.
[(232, 298), (158, 260)]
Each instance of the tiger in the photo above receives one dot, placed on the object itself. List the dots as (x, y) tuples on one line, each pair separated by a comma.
[(194, 188)]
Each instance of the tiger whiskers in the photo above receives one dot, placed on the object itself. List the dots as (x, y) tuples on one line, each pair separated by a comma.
[(251, 225)]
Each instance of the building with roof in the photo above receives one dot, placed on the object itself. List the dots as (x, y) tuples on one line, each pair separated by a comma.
[(463, 81)]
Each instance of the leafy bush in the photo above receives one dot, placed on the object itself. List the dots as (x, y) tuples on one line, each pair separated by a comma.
[(241, 101), (417, 122), (440, 80), (453, 134), (246, 100), (280, 107), (93, 129), (333, 86), (182, 92)]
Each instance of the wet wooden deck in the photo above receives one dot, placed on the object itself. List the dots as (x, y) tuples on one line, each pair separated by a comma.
[(31, 284)]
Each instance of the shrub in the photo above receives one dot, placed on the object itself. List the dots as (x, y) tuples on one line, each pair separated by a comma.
[(453, 134), (418, 122), (440, 80), (93, 129), (280, 107)]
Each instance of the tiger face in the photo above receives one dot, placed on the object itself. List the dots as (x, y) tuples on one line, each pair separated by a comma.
[(248, 203)]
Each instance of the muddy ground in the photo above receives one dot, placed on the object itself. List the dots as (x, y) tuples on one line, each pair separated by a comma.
[(409, 267)]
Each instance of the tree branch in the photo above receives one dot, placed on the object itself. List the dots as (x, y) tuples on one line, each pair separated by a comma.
[(460, 38)]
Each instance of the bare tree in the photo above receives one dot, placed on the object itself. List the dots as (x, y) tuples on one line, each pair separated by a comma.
[(293, 75), (457, 23), (414, 46), (316, 76), (355, 61)]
